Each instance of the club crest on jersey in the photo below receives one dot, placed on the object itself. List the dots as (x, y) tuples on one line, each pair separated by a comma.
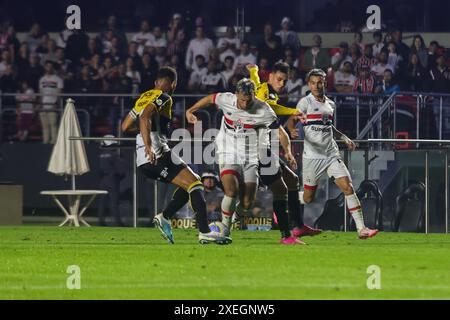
[(326, 118), (238, 125)]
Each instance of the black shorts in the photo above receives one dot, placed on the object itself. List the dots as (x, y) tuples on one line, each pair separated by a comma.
[(268, 179), (164, 169)]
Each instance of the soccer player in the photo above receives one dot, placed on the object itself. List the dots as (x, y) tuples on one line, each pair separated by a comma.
[(321, 153), (156, 161), (243, 134), (284, 178)]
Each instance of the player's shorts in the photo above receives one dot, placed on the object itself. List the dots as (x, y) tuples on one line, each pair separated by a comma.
[(246, 173), (313, 169), (166, 168)]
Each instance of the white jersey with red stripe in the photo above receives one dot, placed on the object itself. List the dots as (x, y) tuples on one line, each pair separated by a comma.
[(319, 139), (243, 133)]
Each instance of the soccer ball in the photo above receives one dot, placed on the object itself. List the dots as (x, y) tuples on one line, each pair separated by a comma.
[(218, 226)]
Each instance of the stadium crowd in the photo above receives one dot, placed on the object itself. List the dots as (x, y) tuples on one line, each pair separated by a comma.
[(109, 63)]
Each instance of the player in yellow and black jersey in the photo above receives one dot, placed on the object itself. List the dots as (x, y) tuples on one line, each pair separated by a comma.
[(285, 180), (156, 161)]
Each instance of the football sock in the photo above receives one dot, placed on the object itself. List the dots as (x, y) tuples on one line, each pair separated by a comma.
[(198, 204), (179, 199), (280, 209), (228, 208), (295, 209), (354, 207)]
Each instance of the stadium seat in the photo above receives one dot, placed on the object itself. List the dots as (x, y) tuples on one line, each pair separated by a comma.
[(372, 205), (410, 209), (332, 217)]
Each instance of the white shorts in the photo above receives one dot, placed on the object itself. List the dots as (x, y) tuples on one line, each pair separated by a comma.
[(246, 173), (313, 169)]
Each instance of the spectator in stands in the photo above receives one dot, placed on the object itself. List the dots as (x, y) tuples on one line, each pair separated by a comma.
[(93, 47), (198, 71), (25, 110), (344, 79), (134, 75), (50, 86), (22, 58), (143, 36), (418, 48), (342, 56), (212, 81), (402, 49), (228, 71), (214, 56), (112, 25), (159, 42), (416, 74), (229, 44), (63, 63), (61, 40), (355, 53), (388, 85), (432, 54), (148, 72), (378, 43), (289, 57), (50, 54), (245, 57), (133, 54), (6, 59), (364, 83), (379, 68), (42, 47), (394, 59), (440, 76), (200, 45), (175, 25), (34, 37), (289, 38), (77, 48), (177, 46), (316, 57), (270, 45), (293, 86), (8, 84), (358, 40), (367, 59), (32, 73)]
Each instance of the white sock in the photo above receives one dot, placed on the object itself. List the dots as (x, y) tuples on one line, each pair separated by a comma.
[(228, 208), (354, 207), (300, 197)]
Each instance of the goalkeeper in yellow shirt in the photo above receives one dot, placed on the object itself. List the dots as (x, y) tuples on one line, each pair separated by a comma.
[(284, 182)]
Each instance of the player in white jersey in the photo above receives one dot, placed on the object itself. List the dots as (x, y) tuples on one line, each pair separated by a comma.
[(156, 161), (244, 133), (321, 153)]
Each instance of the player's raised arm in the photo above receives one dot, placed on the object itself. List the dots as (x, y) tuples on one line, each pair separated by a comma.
[(254, 76), (145, 124), (128, 124), (200, 104)]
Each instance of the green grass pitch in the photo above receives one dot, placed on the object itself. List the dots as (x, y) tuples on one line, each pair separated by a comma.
[(138, 264)]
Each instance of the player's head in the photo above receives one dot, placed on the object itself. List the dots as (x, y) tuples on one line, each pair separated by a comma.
[(316, 79), (166, 79), (279, 76), (245, 93)]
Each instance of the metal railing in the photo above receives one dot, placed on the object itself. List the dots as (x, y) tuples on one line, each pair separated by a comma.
[(366, 164)]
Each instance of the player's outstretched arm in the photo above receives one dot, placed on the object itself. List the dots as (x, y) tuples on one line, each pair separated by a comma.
[(286, 144), (292, 121), (145, 124), (200, 104), (340, 136)]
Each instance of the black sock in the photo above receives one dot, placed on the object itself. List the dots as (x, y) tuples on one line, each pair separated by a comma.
[(179, 199), (295, 209), (280, 208), (198, 204)]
